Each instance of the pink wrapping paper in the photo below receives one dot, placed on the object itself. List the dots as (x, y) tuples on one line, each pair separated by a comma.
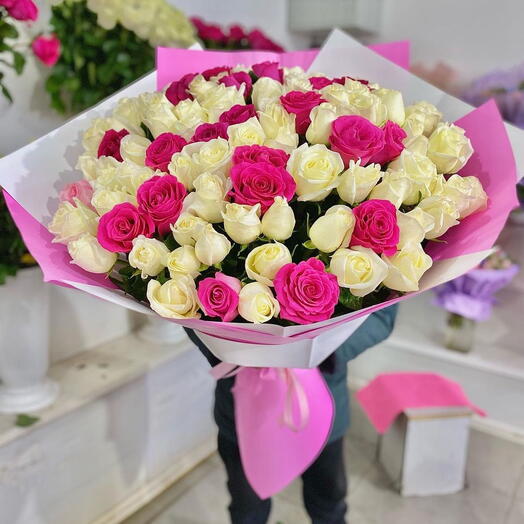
[(273, 455), (389, 394)]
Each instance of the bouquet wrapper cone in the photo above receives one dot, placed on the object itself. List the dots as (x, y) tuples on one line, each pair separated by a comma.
[(34, 175)]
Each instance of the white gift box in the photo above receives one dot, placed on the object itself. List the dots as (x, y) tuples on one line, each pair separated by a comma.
[(425, 450)]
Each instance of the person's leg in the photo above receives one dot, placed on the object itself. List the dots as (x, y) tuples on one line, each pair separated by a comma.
[(245, 507), (325, 486)]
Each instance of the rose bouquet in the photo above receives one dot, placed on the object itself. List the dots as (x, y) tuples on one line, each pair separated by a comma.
[(268, 208)]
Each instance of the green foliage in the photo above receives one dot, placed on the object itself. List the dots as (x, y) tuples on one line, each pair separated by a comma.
[(13, 253), (10, 56), (94, 62), (24, 421)]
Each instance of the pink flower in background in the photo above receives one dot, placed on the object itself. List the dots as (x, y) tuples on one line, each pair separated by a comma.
[(207, 132), (376, 226), (218, 296), (110, 144), (238, 79), (163, 147), (319, 82), (256, 153), (301, 103), (270, 70), (210, 32), (161, 199), (24, 10), (260, 42), (178, 90), (47, 49), (393, 143), (236, 34), (259, 183), (214, 71), (238, 114), (119, 227), (306, 292), (355, 137), (80, 190)]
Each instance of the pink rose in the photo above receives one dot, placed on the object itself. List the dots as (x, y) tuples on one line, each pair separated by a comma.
[(80, 190), (218, 296), (376, 226), (355, 137), (160, 151), (319, 82), (117, 228), (236, 34), (238, 79), (178, 90), (110, 144), (256, 153), (24, 10), (238, 114), (214, 71), (47, 50), (207, 132), (301, 103), (161, 199), (305, 291), (209, 32), (260, 183), (269, 69), (393, 143), (260, 42)]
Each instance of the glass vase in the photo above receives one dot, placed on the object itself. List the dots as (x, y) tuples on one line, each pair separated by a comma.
[(460, 333)]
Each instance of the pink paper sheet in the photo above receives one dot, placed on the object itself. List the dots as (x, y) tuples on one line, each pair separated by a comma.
[(273, 455), (389, 394), (173, 63)]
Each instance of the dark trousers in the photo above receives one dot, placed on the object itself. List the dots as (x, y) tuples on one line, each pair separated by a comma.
[(324, 487)]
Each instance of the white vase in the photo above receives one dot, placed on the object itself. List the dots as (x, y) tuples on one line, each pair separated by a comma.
[(158, 330), (24, 344)]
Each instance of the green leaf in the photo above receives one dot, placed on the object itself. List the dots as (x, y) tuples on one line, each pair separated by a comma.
[(18, 62), (308, 244), (8, 31), (6, 92), (350, 301), (24, 421)]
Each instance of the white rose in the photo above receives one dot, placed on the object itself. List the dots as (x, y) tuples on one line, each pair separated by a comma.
[(104, 200), (247, 133), (95, 132), (128, 111), (263, 262), (421, 172), (189, 114), (315, 170), (148, 255), (411, 231), (279, 127), (104, 169), (183, 260), (417, 144), (430, 115), (406, 267), (357, 181), (339, 95), (70, 222), (157, 115), (414, 124), (278, 221), (176, 298), (322, 117), (187, 228), (295, 79), (266, 91), (87, 164), (88, 254), (425, 220), (183, 167), (211, 247), (394, 104), (133, 148), (395, 186), (242, 222), (467, 192), (213, 157), (257, 304), (221, 98), (129, 176), (333, 230), (443, 210), (359, 269), (449, 148), (199, 86), (207, 201)]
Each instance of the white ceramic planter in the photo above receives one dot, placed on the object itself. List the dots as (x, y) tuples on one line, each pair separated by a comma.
[(157, 330), (24, 344)]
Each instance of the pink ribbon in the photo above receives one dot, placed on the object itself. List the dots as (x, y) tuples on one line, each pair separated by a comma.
[(283, 419)]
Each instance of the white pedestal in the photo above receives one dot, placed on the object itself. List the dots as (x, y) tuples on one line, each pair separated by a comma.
[(158, 330), (24, 344)]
